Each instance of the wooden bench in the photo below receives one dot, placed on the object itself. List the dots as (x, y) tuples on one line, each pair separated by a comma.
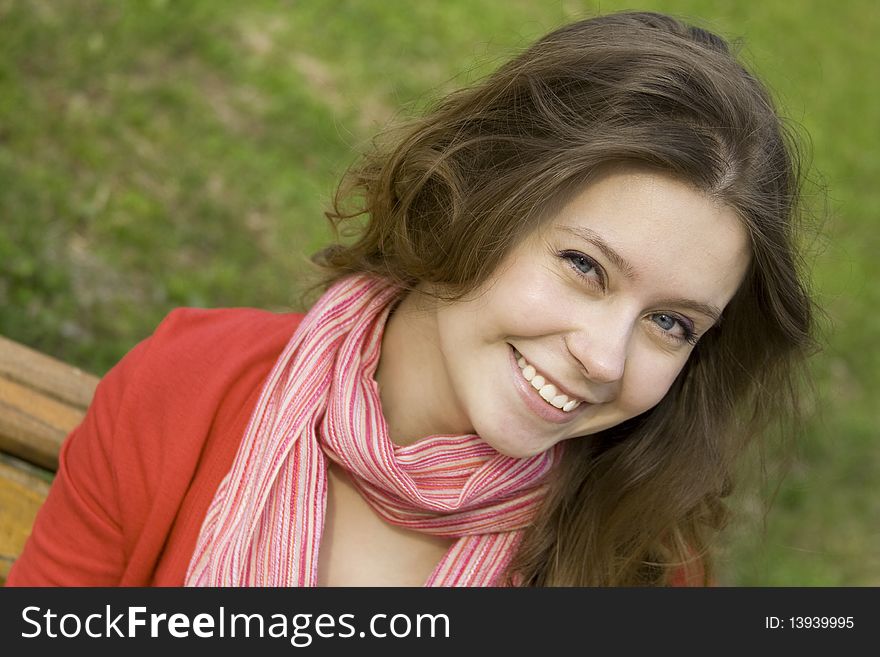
[(41, 400)]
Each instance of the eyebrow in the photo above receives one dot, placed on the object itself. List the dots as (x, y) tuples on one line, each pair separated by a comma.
[(596, 240), (629, 271)]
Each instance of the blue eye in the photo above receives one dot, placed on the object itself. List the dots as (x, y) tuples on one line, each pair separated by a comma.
[(583, 265), (668, 322)]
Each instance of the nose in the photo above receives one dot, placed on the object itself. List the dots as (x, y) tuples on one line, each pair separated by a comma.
[(601, 352)]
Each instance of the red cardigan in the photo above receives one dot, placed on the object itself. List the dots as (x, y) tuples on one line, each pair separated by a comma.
[(136, 477)]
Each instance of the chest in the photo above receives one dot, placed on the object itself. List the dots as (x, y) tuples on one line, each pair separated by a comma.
[(358, 548)]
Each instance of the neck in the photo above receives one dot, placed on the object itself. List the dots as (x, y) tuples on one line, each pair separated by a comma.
[(414, 388)]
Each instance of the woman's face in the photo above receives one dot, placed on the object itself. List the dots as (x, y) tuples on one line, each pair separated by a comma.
[(596, 312)]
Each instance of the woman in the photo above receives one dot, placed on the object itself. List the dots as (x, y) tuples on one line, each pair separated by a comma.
[(574, 303)]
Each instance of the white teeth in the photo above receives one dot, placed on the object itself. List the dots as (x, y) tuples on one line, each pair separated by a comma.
[(546, 390)]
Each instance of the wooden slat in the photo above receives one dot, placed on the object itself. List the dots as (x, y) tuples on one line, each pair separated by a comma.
[(21, 494), (32, 425), (45, 374), (41, 400)]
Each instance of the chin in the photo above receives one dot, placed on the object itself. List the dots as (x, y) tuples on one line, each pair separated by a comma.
[(519, 447)]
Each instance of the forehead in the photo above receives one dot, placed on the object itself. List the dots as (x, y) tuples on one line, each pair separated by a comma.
[(668, 231)]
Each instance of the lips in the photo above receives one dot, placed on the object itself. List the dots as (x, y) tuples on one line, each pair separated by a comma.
[(548, 391), (537, 403)]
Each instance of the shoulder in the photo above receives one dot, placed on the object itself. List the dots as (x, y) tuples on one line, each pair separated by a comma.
[(182, 399), (220, 336), (196, 362), (179, 391), (183, 404), (194, 355)]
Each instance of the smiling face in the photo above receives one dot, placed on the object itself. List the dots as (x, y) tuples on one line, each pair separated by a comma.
[(585, 324)]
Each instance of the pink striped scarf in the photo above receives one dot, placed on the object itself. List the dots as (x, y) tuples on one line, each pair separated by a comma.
[(264, 525)]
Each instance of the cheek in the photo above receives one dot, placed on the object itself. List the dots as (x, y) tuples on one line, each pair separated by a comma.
[(530, 300), (647, 383)]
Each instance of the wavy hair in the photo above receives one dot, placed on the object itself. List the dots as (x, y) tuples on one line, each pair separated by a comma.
[(449, 194)]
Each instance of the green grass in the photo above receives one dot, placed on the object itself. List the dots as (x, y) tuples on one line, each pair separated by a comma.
[(158, 154)]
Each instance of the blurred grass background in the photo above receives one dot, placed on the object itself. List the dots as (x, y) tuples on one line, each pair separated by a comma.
[(156, 154)]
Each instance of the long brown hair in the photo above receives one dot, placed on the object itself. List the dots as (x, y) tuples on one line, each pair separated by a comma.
[(448, 196)]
